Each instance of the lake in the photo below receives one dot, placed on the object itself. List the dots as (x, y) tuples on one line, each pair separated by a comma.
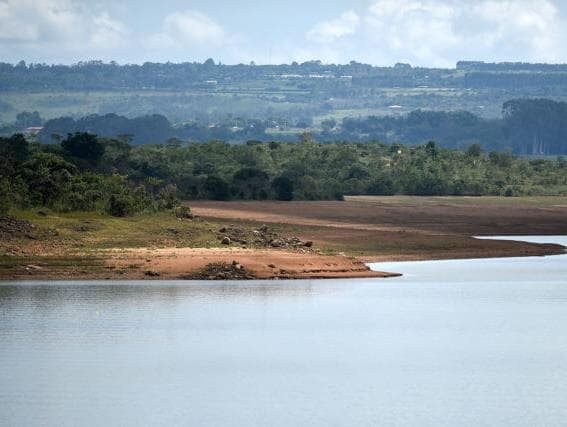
[(451, 343)]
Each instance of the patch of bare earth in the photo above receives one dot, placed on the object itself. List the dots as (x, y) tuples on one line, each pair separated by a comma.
[(183, 263), (407, 228)]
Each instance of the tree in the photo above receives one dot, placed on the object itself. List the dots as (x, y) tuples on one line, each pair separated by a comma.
[(431, 149), (13, 152), (283, 187), (26, 119), (216, 188), (474, 151), (84, 146), (47, 176), (251, 183)]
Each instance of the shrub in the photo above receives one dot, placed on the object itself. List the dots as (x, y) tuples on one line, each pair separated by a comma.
[(183, 212), (121, 205)]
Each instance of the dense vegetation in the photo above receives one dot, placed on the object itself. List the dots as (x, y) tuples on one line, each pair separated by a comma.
[(85, 172), (528, 127)]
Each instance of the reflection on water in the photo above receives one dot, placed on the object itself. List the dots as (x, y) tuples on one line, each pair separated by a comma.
[(43, 293), (469, 343)]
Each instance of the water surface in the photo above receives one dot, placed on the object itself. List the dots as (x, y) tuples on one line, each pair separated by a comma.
[(467, 343)]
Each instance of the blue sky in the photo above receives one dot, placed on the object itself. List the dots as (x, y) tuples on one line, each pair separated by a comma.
[(380, 32)]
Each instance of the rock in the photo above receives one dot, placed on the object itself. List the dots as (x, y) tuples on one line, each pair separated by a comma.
[(226, 240), (264, 228), (173, 230), (152, 273), (271, 265), (308, 244), (222, 271), (223, 230), (276, 243)]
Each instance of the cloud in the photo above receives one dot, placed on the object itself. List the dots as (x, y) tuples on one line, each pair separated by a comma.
[(332, 30), (61, 29), (423, 32), (440, 32), (187, 29), (57, 24)]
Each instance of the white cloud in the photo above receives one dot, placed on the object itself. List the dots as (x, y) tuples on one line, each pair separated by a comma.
[(186, 29), (423, 32), (332, 30), (59, 24), (440, 32)]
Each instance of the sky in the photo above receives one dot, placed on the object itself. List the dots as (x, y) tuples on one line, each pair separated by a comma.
[(435, 33)]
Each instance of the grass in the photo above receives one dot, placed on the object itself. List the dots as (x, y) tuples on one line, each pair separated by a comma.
[(89, 231)]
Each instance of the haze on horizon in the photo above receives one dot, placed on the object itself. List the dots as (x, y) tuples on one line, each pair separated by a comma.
[(379, 32)]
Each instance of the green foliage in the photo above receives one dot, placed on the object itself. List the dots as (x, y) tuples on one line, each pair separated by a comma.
[(84, 146), (121, 205), (216, 188), (183, 212), (283, 188), (132, 179)]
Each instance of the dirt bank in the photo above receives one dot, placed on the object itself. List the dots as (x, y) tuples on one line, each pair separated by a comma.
[(192, 263)]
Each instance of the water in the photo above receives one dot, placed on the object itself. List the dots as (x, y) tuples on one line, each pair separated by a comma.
[(467, 343)]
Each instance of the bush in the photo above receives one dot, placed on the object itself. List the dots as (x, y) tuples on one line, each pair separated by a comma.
[(183, 212), (121, 205), (167, 197)]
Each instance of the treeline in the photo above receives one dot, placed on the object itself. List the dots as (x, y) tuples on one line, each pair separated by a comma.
[(154, 129), (85, 172), (74, 176), (527, 127), (510, 66), (97, 75)]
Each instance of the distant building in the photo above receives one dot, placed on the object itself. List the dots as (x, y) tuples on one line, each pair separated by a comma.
[(34, 130)]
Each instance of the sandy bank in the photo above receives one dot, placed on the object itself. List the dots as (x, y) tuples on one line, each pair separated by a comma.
[(189, 263), (171, 263)]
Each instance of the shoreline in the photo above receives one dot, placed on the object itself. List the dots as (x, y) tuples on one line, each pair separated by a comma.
[(192, 264), (189, 264), (274, 240)]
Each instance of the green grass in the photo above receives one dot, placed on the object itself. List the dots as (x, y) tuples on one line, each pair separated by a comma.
[(89, 231)]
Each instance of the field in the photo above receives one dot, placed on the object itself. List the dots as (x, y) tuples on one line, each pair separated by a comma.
[(258, 99)]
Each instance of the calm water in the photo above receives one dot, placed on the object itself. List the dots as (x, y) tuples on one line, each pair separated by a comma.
[(455, 343)]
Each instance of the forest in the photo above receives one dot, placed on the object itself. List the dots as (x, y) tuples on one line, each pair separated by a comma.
[(86, 173)]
